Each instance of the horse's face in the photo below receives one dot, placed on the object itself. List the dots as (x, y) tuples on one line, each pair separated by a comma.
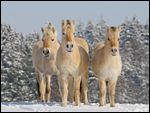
[(49, 37), (68, 29), (113, 36)]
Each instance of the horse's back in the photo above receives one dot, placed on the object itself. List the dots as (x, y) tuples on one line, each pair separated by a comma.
[(82, 42), (98, 46), (84, 49), (36, 53), (84, 60)]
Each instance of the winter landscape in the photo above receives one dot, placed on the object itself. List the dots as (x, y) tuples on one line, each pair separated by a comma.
[(18, 77), (55, 107), (18, 80)]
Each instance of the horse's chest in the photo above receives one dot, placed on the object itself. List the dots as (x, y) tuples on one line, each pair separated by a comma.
[(47, 68), (110, 70), (70, 68)]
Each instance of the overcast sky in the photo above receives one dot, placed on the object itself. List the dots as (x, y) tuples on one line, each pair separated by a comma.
[(27, 17)]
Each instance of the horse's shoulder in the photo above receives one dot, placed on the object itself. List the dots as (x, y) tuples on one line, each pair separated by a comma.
[(38, 43), (99, 46), (82, 42), (59, 53)]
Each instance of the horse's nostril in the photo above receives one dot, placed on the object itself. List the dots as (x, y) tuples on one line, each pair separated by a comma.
[(114, 50), (71, 45), (67, 46), (47, 51)]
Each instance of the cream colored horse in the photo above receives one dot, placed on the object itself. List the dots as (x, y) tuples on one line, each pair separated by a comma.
[(72, 62), (106, 64), (44, 60)]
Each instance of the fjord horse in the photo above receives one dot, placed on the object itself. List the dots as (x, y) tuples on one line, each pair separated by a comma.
[(72, 62), (107, 65), (44, 61)]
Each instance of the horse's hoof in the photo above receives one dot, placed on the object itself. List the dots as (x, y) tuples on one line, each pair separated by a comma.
[(64, 104), (86, 102), (77, 104), (47, 101), (112, 105), (101, 105), (42, 101)]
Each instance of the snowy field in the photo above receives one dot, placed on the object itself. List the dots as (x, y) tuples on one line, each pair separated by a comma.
[(55, 107)]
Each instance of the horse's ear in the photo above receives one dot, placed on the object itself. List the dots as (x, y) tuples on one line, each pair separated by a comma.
[(108, 28), (53, 29), (49, 24), (73, 21), (42, 29), (119, 28), (63, 22)]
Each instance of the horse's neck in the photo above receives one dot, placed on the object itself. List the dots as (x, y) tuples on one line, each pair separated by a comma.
[(55, 47), (50, 59)]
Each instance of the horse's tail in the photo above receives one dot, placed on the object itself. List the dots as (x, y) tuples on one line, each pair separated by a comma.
[(81, 91), (38, 90)]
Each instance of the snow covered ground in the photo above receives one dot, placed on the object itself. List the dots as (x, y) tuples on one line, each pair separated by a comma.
[(55, 107)]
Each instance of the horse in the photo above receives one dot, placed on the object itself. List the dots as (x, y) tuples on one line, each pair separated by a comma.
[(107, 64), (72, 62), (44, 61)]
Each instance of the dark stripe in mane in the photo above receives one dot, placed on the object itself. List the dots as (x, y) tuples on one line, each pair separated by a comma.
[(113, 28), (68, 22)]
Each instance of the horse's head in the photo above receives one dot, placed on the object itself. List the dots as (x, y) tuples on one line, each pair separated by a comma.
[(49, 37), (113, 36), (68, 29)]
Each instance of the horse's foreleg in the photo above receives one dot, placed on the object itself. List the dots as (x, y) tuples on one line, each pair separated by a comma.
[(84, 88), (48, 87), (59, 84), (111, 88), (71, 88), (102, 92), (64, 89), (77, 81), (42, 87)]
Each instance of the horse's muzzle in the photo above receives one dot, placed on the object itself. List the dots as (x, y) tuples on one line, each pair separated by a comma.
[(46, 52), (113, 51)]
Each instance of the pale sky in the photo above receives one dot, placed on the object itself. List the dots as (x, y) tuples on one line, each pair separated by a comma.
[(28, 16)]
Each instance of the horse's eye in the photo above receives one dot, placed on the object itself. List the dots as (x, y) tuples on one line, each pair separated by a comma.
[(63, 33), (52, 39), (73, 33), (42, 39), (108, 38)]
